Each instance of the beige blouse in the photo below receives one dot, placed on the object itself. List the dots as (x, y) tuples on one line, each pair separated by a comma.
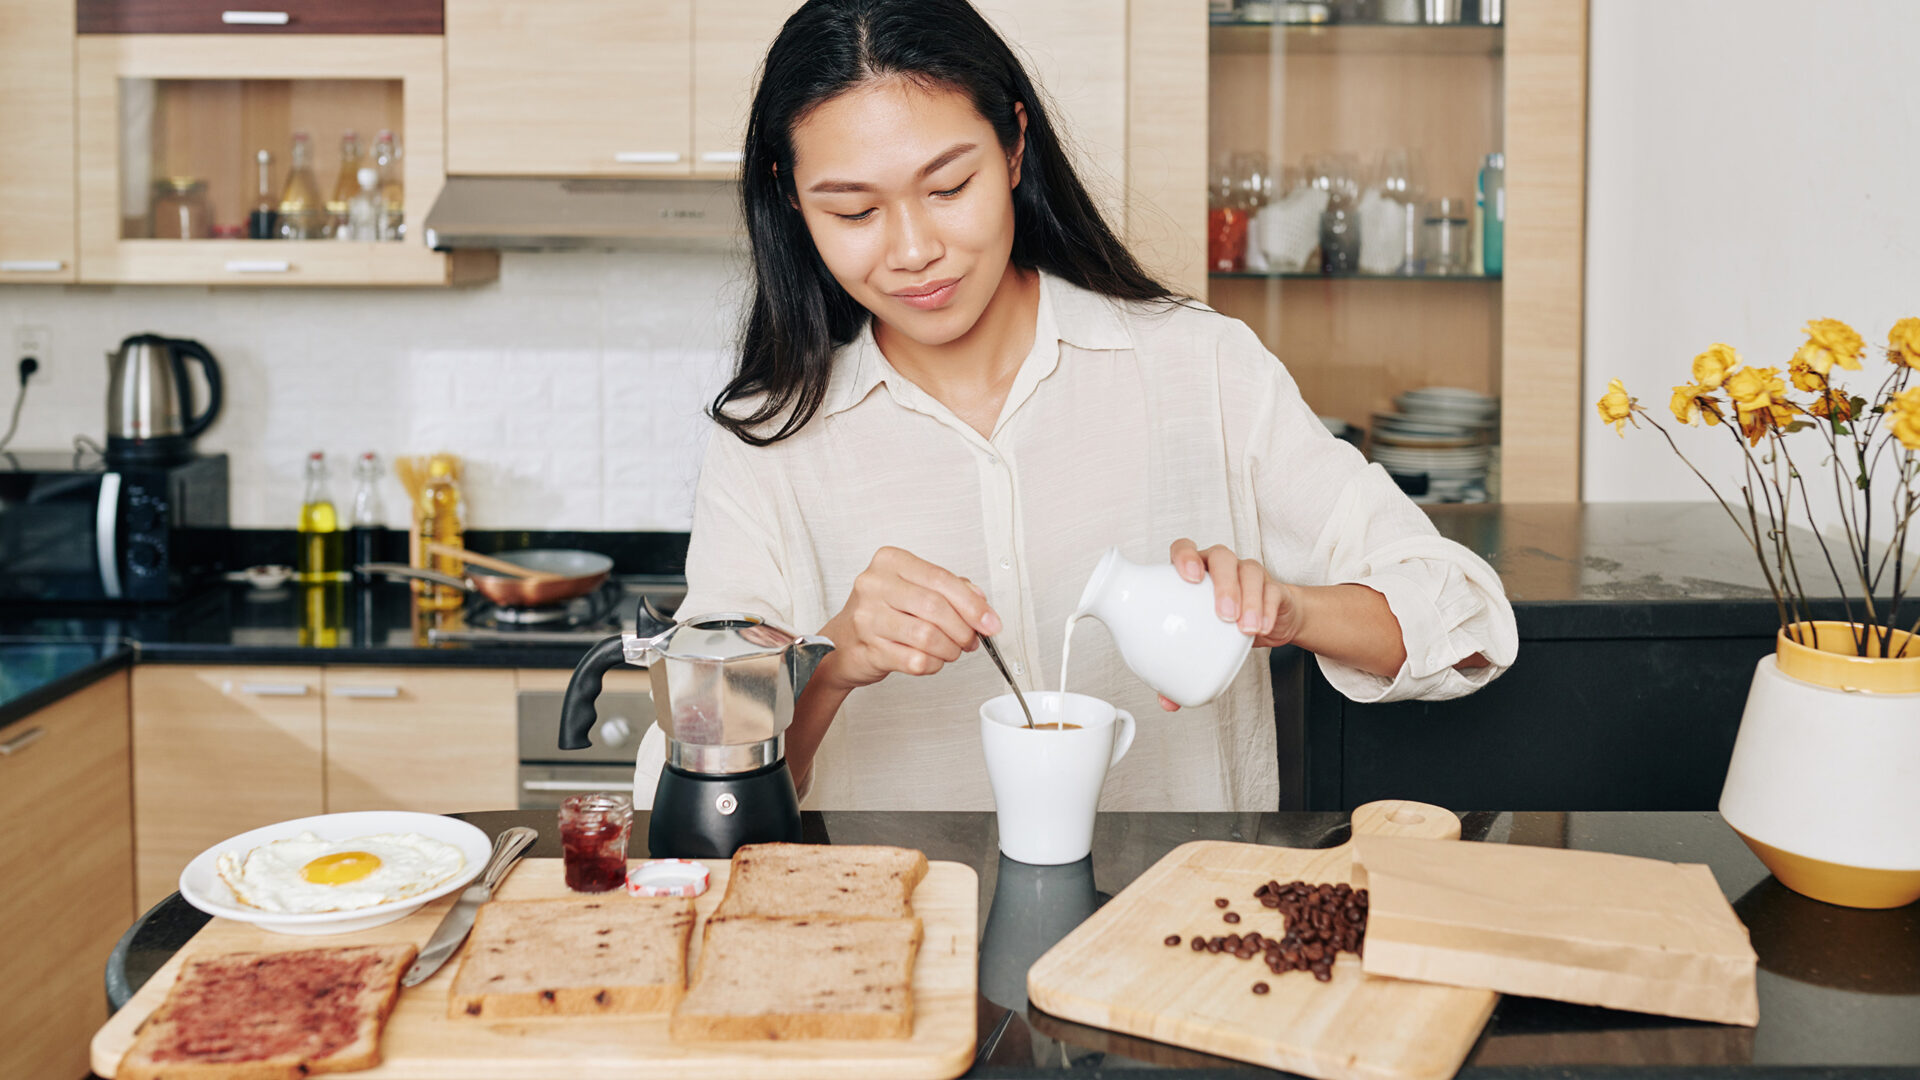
[(1128, 425)]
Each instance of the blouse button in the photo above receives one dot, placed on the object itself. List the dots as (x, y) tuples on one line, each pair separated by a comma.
[(1018, 669), (993, 459), (1006, 564)]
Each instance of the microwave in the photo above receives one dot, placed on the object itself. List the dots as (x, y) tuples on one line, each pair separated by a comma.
[(74, 528)]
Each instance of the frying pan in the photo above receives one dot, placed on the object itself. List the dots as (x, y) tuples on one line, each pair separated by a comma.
[(581, 573)]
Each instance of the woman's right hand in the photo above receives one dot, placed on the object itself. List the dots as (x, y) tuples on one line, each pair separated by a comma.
[(905, 614)]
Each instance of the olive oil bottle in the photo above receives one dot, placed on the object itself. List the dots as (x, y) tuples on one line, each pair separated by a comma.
[(442, 519), (323, 546)]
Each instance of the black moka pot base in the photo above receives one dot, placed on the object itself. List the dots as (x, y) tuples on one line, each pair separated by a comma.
[(699, 816)]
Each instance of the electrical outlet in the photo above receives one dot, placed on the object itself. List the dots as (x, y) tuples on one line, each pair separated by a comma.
[(35, 341)]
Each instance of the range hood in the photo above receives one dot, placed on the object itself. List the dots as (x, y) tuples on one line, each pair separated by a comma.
[(516, 213)]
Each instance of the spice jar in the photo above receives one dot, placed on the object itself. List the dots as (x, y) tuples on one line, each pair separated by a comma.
[(593, 840), (179, 209)]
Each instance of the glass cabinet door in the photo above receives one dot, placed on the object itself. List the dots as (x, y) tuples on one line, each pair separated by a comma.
[(1356, 219), (290, 160)]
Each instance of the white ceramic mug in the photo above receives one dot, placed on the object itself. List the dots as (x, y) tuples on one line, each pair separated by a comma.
[(1046, 784)]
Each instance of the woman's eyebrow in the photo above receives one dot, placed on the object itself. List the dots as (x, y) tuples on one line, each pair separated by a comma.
[(939, 160)]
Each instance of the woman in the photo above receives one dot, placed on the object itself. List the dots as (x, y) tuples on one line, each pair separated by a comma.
[(957, 388)]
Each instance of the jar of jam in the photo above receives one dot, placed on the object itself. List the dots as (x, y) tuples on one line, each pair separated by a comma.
[(593, 839)]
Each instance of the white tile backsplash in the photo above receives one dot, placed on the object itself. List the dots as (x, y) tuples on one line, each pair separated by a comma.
[(573, 386)]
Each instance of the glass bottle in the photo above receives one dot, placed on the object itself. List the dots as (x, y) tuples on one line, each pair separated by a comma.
[(365, 209), (441, 520), (369, 516), (1493, 221), (263, 222), (302, 216), (346, 183), (386, 158), (323, 547)]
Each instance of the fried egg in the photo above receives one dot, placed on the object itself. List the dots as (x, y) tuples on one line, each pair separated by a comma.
[(305, 873)]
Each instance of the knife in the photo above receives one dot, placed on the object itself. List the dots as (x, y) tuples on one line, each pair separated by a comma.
[(453, 928)]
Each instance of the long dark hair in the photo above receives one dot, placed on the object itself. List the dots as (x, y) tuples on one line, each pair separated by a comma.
[(800, 314)]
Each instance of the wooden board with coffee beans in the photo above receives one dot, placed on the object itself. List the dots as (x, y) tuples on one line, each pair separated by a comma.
[(1253, 953)]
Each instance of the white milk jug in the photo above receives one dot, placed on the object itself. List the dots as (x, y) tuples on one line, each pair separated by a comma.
[(1165, 628)]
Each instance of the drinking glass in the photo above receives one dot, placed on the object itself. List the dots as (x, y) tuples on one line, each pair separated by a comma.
[(1444, 232)]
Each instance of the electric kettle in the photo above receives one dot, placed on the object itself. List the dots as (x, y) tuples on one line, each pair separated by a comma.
[(150, 417)]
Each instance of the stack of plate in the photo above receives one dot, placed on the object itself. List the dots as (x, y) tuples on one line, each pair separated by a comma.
[(1441, 436)]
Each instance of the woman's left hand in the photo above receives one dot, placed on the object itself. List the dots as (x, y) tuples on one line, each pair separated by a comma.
[(1243, 592)]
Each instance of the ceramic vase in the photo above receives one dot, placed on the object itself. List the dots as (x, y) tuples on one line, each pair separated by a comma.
[(1824, 784)]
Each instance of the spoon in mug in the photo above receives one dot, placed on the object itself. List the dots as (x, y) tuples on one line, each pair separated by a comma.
[(1002, 665)]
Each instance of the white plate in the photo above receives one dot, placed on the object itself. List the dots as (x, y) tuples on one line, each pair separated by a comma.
[(200, 883)]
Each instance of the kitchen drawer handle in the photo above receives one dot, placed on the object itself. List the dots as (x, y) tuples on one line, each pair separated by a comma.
[(721, 157), (28, 738), (366, 691), (267, 689), (567, 785), (258, 266), (647, 157), (32, 266), (255, 18)]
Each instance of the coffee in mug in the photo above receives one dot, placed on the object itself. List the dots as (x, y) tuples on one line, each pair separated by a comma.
[(1046, 779)]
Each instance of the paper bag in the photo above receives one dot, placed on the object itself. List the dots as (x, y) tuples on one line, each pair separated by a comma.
[(1580, 926)]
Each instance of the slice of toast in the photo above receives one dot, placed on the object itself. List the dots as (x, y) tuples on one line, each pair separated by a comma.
[(271, 1015), (573, 957), (765, 978), (800, 880)]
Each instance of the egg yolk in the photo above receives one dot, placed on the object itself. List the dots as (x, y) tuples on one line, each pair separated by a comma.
[(340, 867)]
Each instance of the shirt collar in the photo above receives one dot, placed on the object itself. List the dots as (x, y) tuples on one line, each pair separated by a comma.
[(1068, 314)]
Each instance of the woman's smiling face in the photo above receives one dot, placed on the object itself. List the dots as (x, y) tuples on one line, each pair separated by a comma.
[(908, 196)]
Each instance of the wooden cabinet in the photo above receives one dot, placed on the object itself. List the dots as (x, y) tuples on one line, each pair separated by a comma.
[(36, 126), (67, 860), (730, 39), (409, 738), (218, 751), (1331, 101), (152, 107), (582, 88), (260, 17)]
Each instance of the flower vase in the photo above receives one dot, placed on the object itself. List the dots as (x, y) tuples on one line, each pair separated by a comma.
[(1824, 784)]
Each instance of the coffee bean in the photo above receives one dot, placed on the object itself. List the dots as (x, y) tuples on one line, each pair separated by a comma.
[(1323, 975), (1220, 901), (1231, 916), (1216, 945), (1199, 945), (1260, 988), (1173, 939), (1233, 941), (1244, 953)]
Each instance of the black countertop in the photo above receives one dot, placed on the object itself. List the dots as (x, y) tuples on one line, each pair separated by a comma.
[(1572, 570), (1839, 988)]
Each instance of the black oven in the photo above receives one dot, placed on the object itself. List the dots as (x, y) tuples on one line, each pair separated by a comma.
[(74, 529)]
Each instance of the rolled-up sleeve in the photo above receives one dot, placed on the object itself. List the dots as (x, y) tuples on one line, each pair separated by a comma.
[(1326, 516)]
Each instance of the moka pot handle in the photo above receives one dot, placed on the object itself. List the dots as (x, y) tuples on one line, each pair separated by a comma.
[(577, 713)]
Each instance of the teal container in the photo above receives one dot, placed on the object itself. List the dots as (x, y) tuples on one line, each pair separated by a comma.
[(1491, 192)]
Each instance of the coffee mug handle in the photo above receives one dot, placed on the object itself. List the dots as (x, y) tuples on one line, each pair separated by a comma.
[(1123, 720)]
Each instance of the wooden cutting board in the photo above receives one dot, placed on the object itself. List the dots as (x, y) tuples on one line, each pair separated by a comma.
[(422, 1043), (1114, 971)]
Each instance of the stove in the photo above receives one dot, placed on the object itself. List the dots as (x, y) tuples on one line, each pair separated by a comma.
[(608, 610)]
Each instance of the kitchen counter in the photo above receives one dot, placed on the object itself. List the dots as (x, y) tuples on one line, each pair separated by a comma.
[(1839, 989)]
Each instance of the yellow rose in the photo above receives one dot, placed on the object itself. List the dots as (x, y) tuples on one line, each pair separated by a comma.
[(1710, 368), (1689, 401), (1616, 407), (1805, 378), (1755, 389), (1903, 412), (1830, 342), (1832, 403), (1903, 343)]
